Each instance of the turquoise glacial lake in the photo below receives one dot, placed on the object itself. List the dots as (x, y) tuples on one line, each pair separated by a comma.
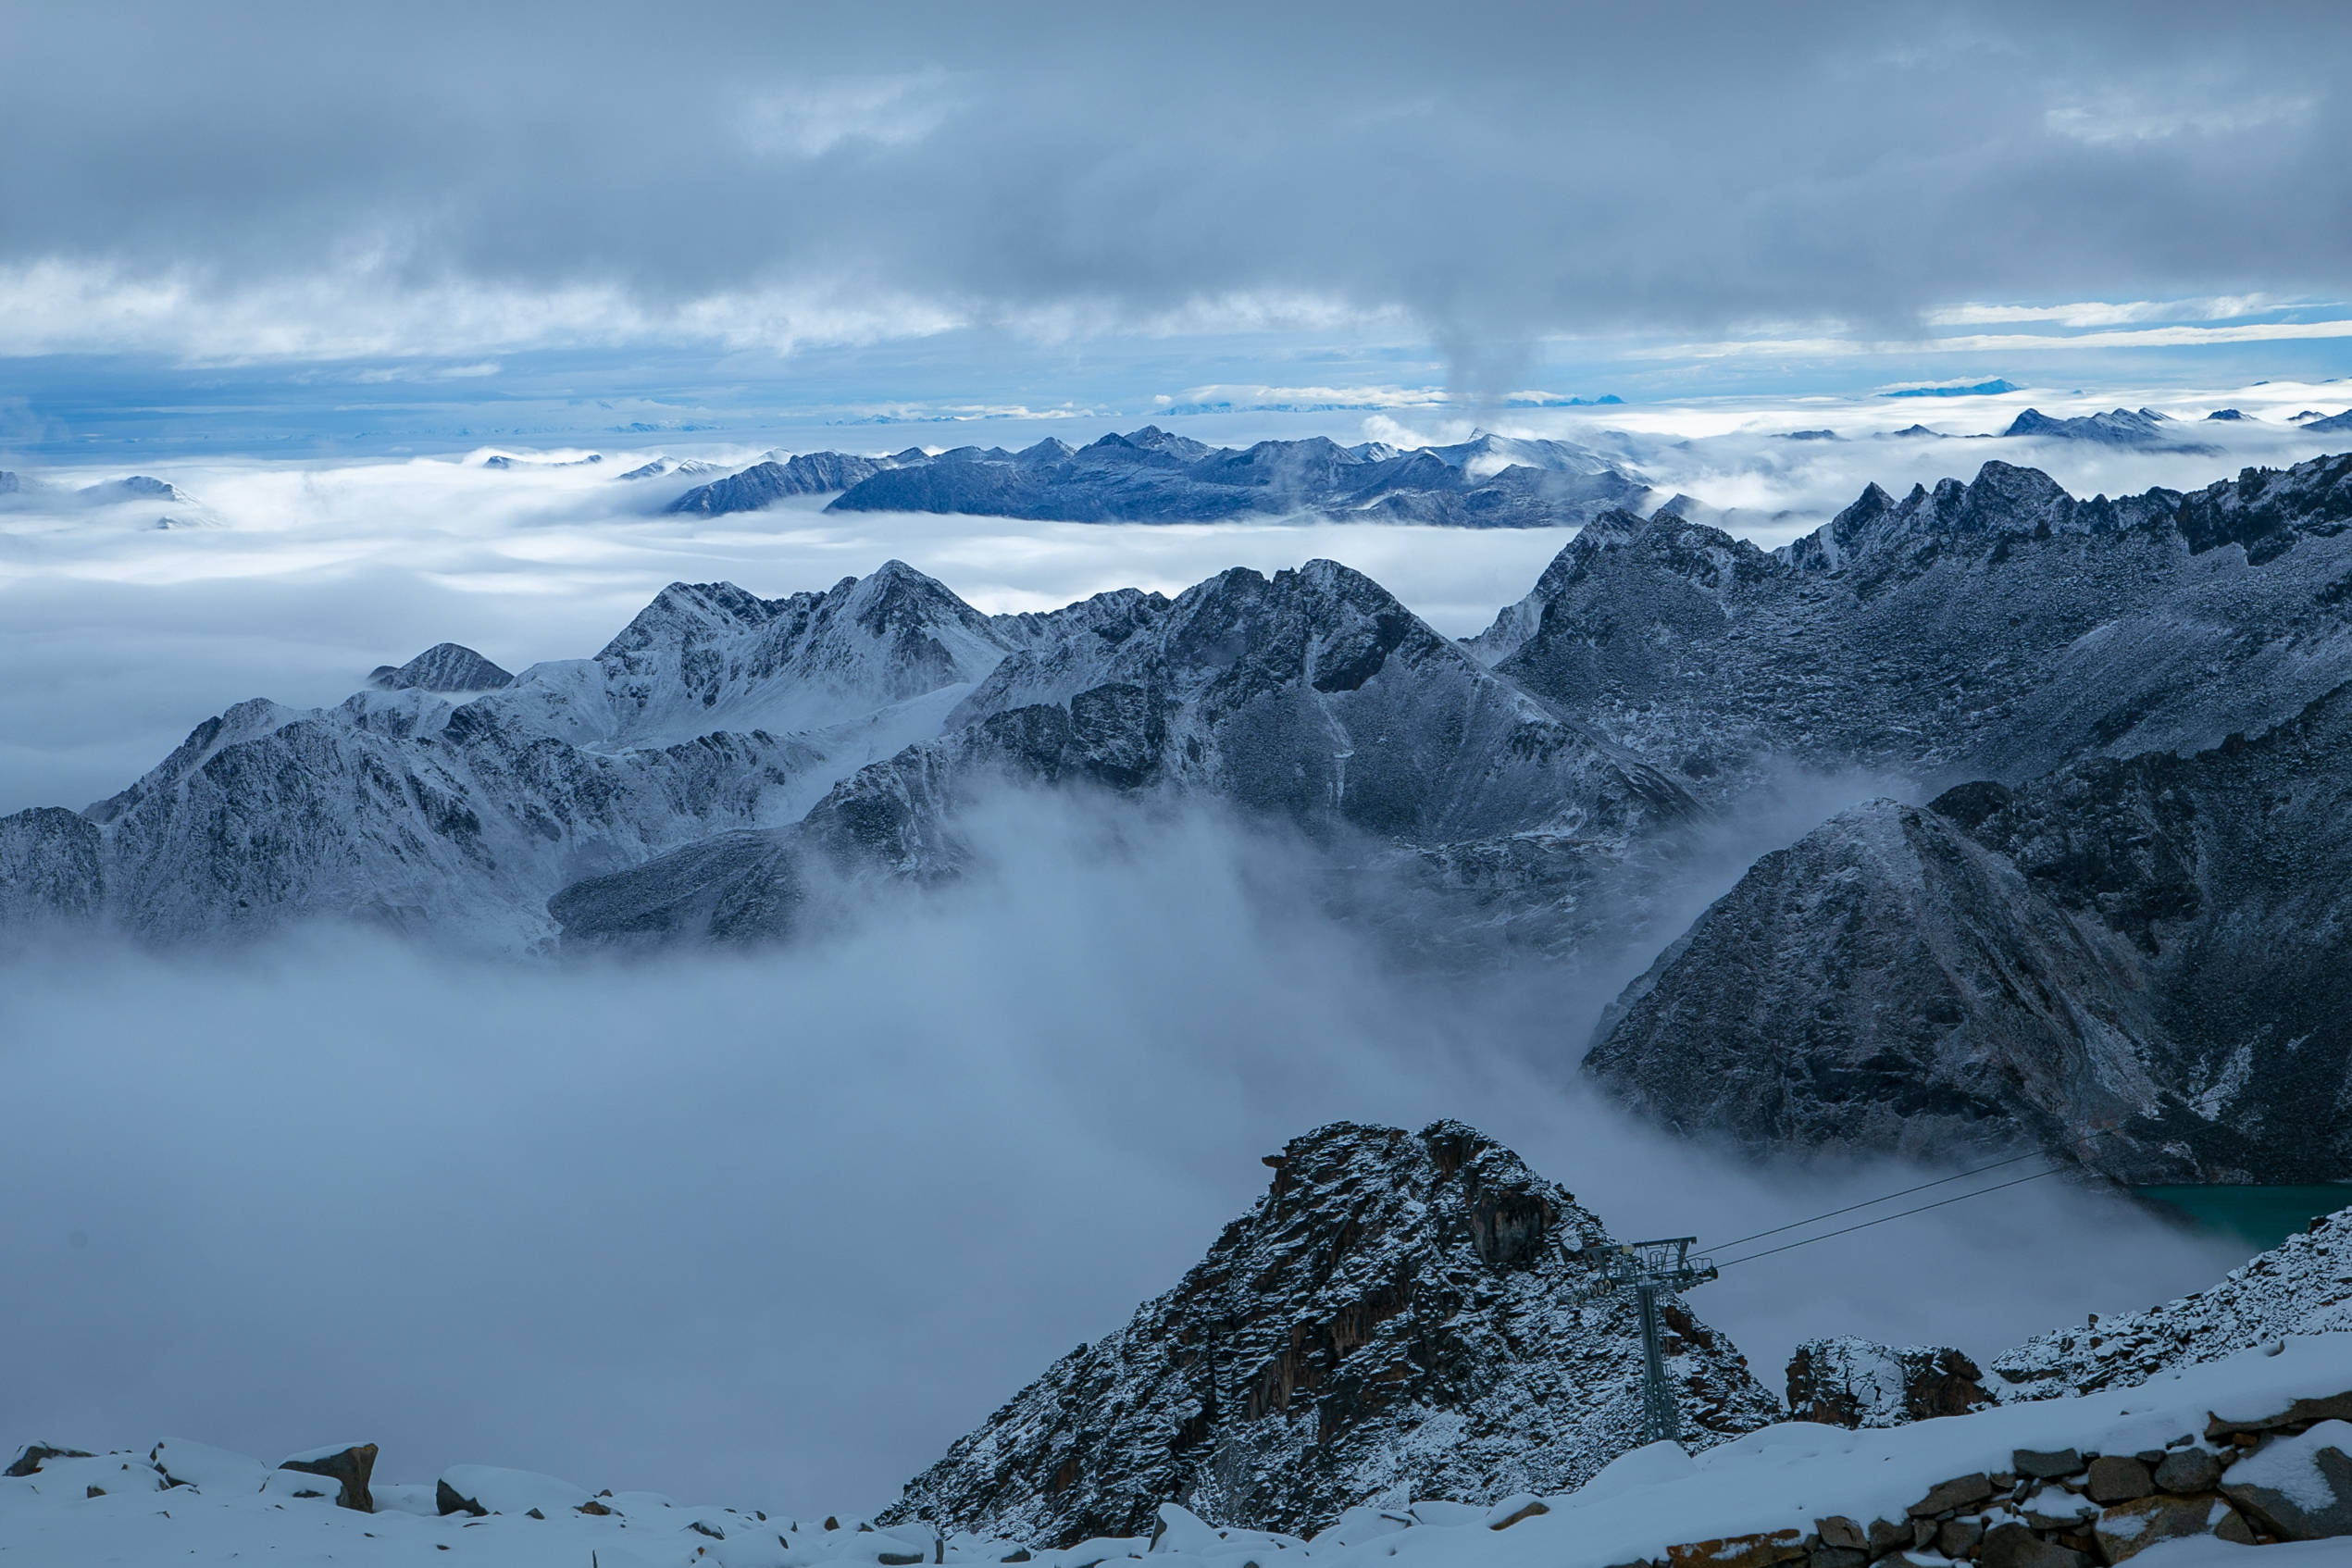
[(2261, 1217)]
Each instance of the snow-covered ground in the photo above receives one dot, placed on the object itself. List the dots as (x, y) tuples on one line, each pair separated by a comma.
[(118, 1509)]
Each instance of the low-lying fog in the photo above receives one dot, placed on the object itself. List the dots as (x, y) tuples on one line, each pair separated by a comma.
[(778, 1227)]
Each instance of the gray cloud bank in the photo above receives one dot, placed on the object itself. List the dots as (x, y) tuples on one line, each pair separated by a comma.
[(1492, 173), (777, 1228)]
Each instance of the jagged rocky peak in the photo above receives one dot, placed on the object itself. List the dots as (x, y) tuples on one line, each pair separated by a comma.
[(445, 666), (1402, 1317)]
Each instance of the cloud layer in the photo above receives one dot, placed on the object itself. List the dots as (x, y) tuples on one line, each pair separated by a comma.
[(776, 1229), (359, 180)]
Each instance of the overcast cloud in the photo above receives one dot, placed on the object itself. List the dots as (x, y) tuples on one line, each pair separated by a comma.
[(293, 178)]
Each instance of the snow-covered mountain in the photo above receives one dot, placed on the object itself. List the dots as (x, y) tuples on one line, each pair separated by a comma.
[(1312, 697), (452, 799), (1152, 476), (2120, 940), (1402, 1315), (2117, 427), (1998, 628)]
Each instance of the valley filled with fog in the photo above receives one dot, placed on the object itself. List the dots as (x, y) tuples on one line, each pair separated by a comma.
[(709, 1219)]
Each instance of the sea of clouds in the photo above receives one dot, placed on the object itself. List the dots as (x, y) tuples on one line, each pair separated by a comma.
[(780, 1225), (783, 1224), (292, 579)]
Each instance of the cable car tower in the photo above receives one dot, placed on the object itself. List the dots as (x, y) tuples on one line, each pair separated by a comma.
[(1647, 1268)]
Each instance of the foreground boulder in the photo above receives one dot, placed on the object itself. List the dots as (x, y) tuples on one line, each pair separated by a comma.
[(349, 1466), (1402, 1317), (1845, 1381)]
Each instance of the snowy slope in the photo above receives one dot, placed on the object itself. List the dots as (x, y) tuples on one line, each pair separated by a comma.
[(1784, 1478)]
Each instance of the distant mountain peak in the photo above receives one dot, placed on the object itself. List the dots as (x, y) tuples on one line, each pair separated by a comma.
[(445, 666)]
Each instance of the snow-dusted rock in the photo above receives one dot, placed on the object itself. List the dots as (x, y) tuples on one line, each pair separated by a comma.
[(2118, 427), (764, 484), (52, 869), (2304, 1286), (1998, 628), (2300, 1488), (1846, 1381), (1403, 1315)]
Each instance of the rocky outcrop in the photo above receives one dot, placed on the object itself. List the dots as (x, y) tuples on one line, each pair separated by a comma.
[(2302, 1287), (349, 1467), (1402, 1315), (2140, 965), (1845, 1381)]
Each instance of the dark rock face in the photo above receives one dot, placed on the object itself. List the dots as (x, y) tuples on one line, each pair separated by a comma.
[(2139, 963), (1850, 1382), (1403, 1315), (1152, 476), (445, 666)]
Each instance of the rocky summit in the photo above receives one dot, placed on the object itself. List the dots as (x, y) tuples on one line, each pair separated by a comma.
[(1402, 1317)]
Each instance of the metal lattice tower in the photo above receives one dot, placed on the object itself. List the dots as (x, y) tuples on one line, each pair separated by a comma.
[(1647, 1268)]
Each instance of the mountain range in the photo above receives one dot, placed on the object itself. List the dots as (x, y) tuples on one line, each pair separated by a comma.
[(2100, 908), (1152, 476)]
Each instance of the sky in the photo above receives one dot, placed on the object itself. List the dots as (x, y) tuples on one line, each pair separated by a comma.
[(295, 227), (783, 1228)]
